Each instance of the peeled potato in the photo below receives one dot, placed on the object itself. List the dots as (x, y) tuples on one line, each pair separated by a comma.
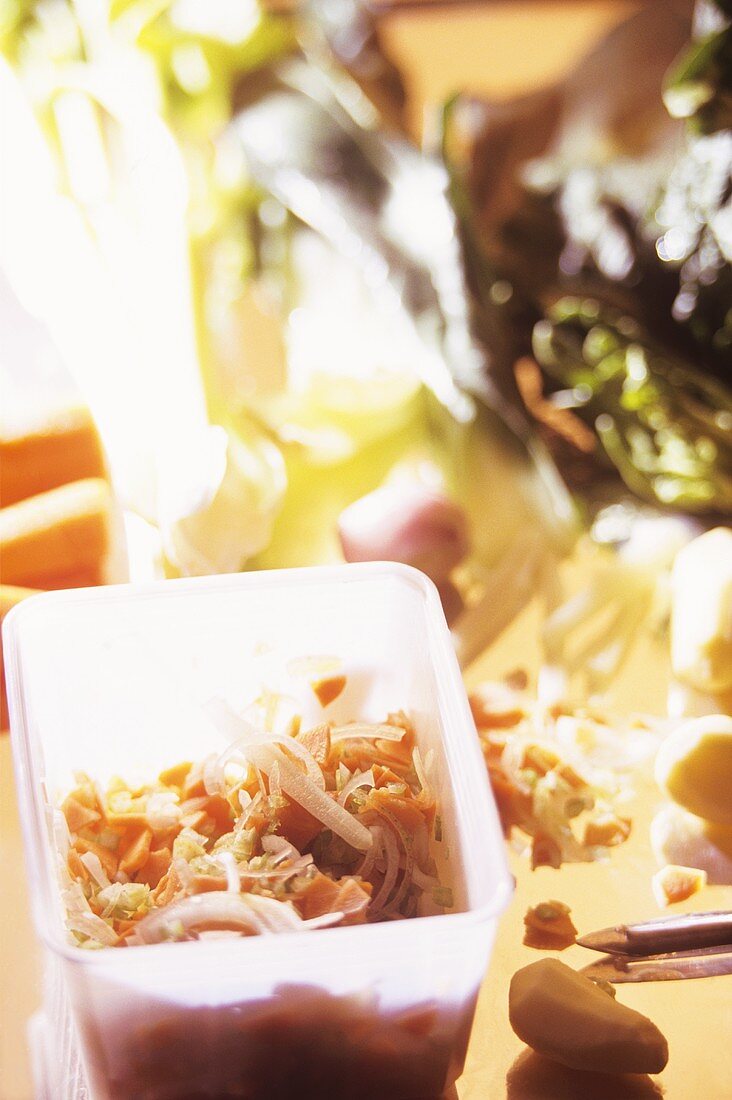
[(565, 1016), (694, 766)]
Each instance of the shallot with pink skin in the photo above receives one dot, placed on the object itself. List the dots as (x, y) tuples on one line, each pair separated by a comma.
[(409, 523)]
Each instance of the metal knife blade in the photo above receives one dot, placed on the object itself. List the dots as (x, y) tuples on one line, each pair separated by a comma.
[(664, 934), (618, 969)]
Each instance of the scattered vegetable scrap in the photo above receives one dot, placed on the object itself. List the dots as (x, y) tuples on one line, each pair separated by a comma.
[(549, 926), (674, 883), (571, 1019), (557, 772), (328, 689), (283, 831)]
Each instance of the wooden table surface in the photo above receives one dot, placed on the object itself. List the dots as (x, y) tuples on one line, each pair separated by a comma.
[(499, 49)]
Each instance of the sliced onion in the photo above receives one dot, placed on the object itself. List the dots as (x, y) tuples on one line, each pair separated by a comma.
[(279, 847), (162, 811), (244, 735), (360, 779), (233, 882), (93, 865), (420, 768), (312, 799), (89, 924), (425, 882), (373, 853), (79, 917), (213, 775), (368, 730), (391, 852), (248, 914), (275, 787)]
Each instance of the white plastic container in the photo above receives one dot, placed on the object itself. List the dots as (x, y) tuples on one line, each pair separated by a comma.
[(112, 681)]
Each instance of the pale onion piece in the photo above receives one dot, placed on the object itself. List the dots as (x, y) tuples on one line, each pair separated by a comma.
[(89, 924), (312, 798), (243, 735), (279, 847), (367, 730), (213, 776), (374, 852), (233, 881), (270, 875), (391, 851), (425, 882), (184, 873), (60, 830), (325, 920), (419, 769), (162, 811), (360, 779), (408, 846), (274, 779), (94, 867), (248, 914)]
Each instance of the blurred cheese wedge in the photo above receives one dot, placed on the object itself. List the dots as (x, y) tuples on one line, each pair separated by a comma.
[(63, 538), (9, 597), (701, 621), (57, 448)]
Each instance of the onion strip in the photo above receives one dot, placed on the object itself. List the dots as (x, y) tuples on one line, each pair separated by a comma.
[(360, 779), (367, 730), (298, 787)]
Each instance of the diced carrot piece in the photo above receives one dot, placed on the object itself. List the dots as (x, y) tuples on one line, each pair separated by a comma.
[(674, 883), (328, 689), (193, 785), (607, 830), (175, 776), (77, 815), (155, 867), (107, 858), (318, 897), (138, 819), (297, 825), (407, 812), (219, 809), (317, 742), (134, 850), (76, 865), (496, 707), (167, 888), (549, 926)]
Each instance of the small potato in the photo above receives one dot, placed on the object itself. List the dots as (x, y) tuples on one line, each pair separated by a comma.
[(694, 766), (565, 1016)]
